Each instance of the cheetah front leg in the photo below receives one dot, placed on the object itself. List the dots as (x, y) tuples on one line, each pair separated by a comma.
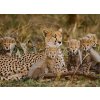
[(17, 76), (3, 78), (60, 71), (89, 72), (12, 78), (86, 68)]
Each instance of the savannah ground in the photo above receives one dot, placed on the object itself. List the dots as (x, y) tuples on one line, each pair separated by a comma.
[(30, 27), (80, 82)]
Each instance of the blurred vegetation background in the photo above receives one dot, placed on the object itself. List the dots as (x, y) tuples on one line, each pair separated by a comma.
[(29, 27)]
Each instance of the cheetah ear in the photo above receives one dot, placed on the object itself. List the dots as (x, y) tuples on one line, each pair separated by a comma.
[(60, 30), (45, 32)]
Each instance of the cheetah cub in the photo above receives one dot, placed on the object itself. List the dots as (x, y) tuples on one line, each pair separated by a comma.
[(54, 57), (25, 48), (8, 45), (74, 54), (87, 43)]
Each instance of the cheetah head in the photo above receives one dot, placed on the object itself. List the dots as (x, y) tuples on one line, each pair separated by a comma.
[(73, 46), (53, 39), (8, 43), (88, 42)]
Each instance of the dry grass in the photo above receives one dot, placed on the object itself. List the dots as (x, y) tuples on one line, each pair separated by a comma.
[(26, 27)]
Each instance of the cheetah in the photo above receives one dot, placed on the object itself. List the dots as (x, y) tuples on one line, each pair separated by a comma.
[(74, 54), (8, 45), (54, 56), (87, 43), (15, 68), (28, 46), (25, 48)]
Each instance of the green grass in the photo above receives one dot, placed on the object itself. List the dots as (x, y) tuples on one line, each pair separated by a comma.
[(80, 82)]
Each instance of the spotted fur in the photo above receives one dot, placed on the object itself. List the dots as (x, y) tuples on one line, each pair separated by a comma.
[(14, 68), (74, 54), (8, 44), (87, 42)]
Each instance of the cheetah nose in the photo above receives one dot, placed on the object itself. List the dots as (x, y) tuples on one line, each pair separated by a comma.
[(59, 42), (85, 49), (7, 48), (73, 51)]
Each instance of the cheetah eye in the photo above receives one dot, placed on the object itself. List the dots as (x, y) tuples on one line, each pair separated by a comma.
[(94, 45), (87, 45), (83, 47), (55, 36), (55, 41)]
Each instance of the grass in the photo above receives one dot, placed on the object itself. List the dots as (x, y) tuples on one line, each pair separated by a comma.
[(80, 82), (26, 27)]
